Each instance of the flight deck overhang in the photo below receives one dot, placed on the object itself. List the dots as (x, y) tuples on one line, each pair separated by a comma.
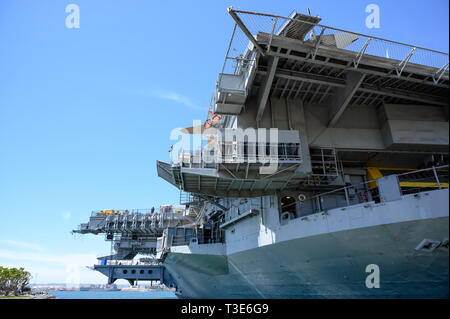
[(331, 78), (335, 67), (340, 58), (315, 80)]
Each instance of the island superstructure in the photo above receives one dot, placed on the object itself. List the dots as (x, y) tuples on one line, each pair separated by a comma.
[(326, 158)]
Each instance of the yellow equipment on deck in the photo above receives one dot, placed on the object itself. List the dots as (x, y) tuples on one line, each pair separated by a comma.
[(374, 173), (107, 212)]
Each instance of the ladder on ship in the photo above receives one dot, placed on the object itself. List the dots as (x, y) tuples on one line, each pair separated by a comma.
[(324, 165)]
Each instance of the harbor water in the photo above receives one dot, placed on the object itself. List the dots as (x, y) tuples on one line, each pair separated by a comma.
[(61, 294)]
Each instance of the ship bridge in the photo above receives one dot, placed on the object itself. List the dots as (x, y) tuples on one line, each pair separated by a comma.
[(329, 93)]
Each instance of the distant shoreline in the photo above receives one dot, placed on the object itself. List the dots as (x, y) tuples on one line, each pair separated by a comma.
[(100, 288), (36, 296)]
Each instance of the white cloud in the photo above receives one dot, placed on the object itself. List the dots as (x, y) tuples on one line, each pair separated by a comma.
[(173, 96), (21, 244)]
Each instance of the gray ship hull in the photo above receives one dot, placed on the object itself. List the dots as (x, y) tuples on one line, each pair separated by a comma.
[(331, 265)]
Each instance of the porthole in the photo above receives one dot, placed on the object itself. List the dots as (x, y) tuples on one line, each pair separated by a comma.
[(141, 271), (133, 271), (150, 271), (125, 271)]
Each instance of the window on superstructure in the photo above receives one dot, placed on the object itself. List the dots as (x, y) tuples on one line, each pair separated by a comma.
[(292, 150)]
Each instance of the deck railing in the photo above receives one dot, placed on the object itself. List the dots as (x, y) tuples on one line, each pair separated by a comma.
[(236, 152), (251, 23), (410, 182), (126, 262), (107, 212)]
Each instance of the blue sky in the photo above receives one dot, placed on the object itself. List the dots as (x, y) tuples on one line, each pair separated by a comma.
[(85, 113)]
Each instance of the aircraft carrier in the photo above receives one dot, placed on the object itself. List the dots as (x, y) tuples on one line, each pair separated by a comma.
[(321, 171)]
